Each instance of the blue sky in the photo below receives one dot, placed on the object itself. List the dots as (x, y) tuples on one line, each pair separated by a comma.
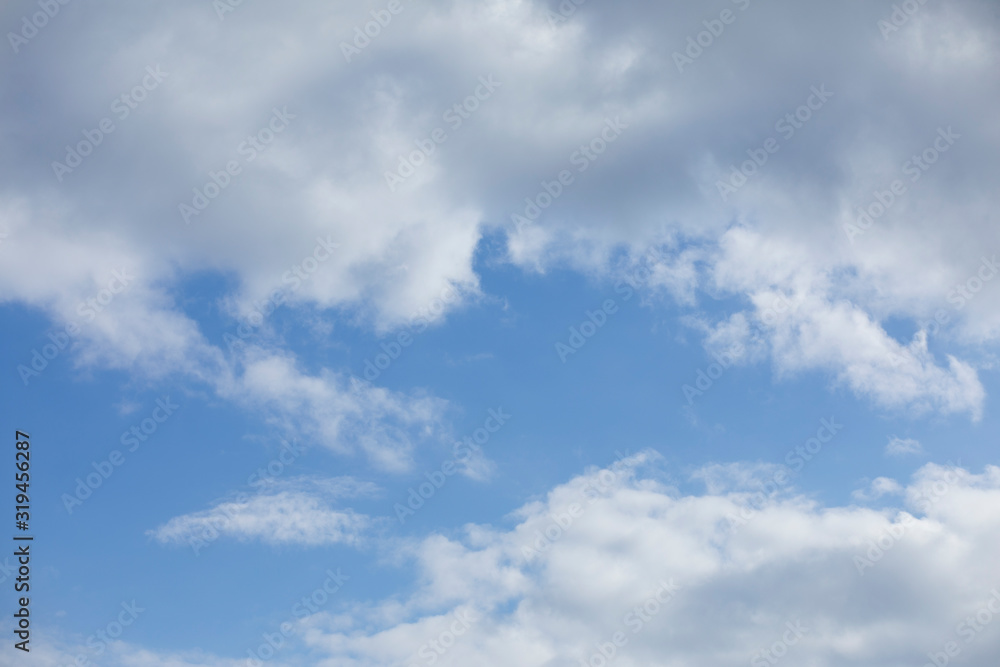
[(744, 396)]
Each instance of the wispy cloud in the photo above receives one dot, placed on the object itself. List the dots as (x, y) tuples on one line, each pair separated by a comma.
[(295, 511), (903, 447)]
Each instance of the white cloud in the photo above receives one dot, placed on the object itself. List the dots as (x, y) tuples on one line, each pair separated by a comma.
[(128, 655), (606, 543), (477, 466), (720, 478), (111, 309), (809, 325), (878, 487), (903, 447), (344, 413), (794, 561), (399, 254), (296, 511), (324, 176), (55, 650)]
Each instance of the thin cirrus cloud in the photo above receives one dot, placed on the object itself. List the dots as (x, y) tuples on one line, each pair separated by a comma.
[(878, 487), (295, 511), (903, 447), (344, 413)]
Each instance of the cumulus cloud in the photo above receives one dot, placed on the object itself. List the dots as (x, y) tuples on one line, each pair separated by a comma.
[(804, 317), (861, 586), (664, 571)]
